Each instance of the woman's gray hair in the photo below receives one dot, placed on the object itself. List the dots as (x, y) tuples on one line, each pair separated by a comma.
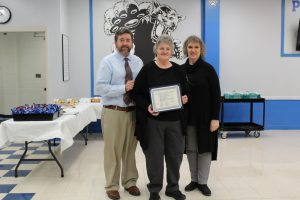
[(194, 39), (163, 39)]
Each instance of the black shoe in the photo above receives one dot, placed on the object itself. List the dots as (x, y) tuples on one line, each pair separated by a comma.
[(154, 196), (191, 186), (204, 189), (177, 195)]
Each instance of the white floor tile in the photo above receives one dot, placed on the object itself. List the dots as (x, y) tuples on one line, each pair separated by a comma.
[(3, 156), (248, 168), (2, 195)]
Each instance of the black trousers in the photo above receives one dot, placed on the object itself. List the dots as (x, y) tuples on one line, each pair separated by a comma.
[(165, 140)]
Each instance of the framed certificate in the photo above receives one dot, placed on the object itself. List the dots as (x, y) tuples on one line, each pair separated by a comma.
[(166, 98)]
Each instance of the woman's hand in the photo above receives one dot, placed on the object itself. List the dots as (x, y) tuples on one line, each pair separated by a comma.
[(184, 99), (214, 125), (150, 110)]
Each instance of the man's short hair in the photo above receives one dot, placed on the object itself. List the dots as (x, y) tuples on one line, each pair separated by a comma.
[(121, 31)]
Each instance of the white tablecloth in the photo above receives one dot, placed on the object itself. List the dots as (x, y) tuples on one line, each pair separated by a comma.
[(65, 127), (3, 138), (85, 113)]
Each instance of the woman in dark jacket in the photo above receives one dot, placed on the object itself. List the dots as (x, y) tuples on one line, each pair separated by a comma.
[(203, 114), (161, 134)]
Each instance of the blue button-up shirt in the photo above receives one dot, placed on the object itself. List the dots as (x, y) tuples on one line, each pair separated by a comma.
[(110, 83)]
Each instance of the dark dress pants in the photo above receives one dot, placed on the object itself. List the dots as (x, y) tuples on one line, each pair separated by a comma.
[(165, 140)]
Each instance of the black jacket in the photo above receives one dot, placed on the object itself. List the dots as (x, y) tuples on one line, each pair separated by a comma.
[(204, 103)]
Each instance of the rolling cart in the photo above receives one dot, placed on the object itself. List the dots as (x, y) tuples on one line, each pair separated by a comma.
[(247, 127)]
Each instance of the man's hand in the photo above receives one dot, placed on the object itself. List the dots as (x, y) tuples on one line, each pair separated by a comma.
[(129, 85)]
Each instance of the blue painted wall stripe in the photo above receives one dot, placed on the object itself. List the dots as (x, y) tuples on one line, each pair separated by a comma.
[(211, 32), (91, 47), (280, 114), (283, 114), (202, 20)]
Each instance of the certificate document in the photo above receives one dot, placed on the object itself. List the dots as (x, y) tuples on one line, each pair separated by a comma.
[(166, 98)]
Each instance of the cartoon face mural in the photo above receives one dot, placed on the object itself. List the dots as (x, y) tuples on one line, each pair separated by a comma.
[(147, 21)]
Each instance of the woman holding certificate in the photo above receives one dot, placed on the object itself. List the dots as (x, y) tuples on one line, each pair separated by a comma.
[(203, 114), (159, 91)]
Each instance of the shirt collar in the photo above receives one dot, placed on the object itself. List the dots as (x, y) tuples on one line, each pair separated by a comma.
[(121, 57)]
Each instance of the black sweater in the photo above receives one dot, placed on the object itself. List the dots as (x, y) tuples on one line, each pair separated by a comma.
[(205, 92), (149, 77)]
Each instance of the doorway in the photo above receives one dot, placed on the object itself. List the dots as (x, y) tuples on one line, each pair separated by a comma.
[(23, 67)]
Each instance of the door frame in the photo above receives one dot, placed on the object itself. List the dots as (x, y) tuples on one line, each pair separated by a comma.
[(9, 29)]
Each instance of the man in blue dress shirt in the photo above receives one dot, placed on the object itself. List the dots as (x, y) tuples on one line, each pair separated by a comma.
[(118, 115)]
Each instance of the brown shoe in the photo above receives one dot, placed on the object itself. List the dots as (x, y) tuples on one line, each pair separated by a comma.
[(113, 194), (134, 191)]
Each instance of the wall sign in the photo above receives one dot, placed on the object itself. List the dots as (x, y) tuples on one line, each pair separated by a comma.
[(290, 16)]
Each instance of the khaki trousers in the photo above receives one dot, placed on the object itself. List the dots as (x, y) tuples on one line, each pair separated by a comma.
[(119, 148)]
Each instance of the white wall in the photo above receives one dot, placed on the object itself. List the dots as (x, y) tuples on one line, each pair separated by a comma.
[(9, 73), (250, 41), (55, 17), (64, 13), (78, 31), (41, 13)]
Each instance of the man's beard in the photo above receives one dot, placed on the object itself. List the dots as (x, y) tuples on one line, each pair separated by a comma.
[(125, 50)]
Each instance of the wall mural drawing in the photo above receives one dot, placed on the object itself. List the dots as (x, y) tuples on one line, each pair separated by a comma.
[(147, 21)]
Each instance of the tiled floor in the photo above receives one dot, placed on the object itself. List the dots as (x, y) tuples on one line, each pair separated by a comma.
[(248, 168), (9, 158)]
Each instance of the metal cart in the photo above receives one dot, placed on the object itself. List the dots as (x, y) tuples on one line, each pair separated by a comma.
[(247, 127)]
